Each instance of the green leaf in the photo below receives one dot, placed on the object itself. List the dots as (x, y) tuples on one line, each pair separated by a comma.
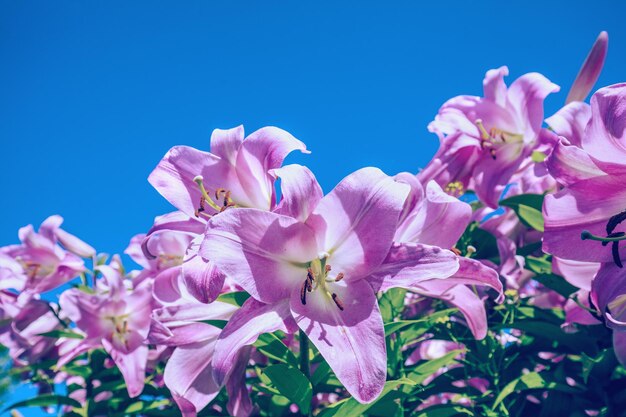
[(532, 380), (273, 347), (426, 369), (391, 303), (588, 363), (400, 325), (528, 209), (236, 298), (143, 406), (84, 288), (45, 401), (556, 283), (62, 333), (352, 408), (445, 410), (539, 265), (292, 384), (216, 323)]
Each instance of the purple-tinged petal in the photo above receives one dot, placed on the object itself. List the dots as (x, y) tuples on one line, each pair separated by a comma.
[(450, 165), (351, 340), (570, 164), (408, 264), (189, 375), (473, 272), (239, 402), (226, 143), (174, 177), (166, 289), (132, 365), (494, 88), (264, 252), (244, 328), (590, 70), (181, 315), (586, 205), (300, 191), (202, 278), (605, 137), (355, 223), (74, 244), (525, 98), (619, 345), (571, 121), (608, 292), (579, 274), (178, 221), (439, 221), (49, 227), (261, 152), (575, 314), (460, 296), (492, 176)]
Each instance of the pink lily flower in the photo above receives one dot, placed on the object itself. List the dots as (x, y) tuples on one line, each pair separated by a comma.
[(590, 70), (484, 140), (22, 321), (45, 265), (116, 318), (181, 324), (608, 293), (236, 173), (432, 217), (318, 270), (594, 198)]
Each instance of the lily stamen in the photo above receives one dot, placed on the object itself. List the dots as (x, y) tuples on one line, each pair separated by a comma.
[(337, 301), (613, 237), (205, 195), (306, 285)]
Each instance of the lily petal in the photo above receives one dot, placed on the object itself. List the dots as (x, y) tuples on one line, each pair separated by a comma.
[(132, 365), (460, 296), (605, 137), (357, 220), (585, 205), (263, 252), (300, 191), (244, 328), (174, 176), (202, 277), (571, 121), (352, 341), (189, 375), (494, 88), (408, 264), (570, 164)]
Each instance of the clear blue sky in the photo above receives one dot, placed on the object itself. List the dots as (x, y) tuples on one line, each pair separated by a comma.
[(92, 94)]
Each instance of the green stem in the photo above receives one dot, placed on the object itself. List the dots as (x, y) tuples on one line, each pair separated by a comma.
[(304, 360), (304, 355)]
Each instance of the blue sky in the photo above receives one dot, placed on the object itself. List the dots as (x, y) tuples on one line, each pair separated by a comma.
[(92, 94)]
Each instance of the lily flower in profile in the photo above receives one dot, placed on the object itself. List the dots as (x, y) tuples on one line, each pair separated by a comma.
[(236, 173), (432, 218), (113, 317), (45, 265), (485, 140), (318, 269), (585, 220)]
